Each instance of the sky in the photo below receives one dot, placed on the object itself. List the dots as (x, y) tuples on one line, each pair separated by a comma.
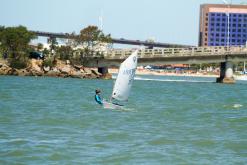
[(167, 21)]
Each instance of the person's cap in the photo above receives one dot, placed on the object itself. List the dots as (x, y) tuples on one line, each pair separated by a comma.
[(97, 91)]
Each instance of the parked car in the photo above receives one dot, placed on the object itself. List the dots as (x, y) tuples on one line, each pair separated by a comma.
[(36, 55)]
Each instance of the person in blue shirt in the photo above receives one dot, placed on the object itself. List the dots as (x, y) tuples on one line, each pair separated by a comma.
[(97, 97)]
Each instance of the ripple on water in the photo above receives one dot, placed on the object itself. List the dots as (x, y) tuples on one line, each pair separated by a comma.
[(56, 121)]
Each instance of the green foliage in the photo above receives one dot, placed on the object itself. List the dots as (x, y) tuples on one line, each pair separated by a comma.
[(20, 63), (64, 52), (40, 46), (90, 37), (15, 40), (53, 45), (45, 52), (49, 62)]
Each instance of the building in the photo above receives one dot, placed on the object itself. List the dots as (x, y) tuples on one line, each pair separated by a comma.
[(214, 25)]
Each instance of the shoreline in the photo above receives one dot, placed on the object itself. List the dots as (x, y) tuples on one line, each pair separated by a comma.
[(158, 73)]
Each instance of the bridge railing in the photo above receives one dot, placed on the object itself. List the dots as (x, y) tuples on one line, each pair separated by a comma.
[(176, 52)]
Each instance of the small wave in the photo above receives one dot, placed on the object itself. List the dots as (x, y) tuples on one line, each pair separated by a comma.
[(237, 105)]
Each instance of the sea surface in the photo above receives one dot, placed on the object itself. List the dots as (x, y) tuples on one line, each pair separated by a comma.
[(168, 120)]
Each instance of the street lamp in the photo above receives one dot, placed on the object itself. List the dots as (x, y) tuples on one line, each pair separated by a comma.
[(228, 21)]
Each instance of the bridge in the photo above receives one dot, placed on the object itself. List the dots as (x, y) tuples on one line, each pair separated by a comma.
[(226, 56), (114, 40), (165, 54)]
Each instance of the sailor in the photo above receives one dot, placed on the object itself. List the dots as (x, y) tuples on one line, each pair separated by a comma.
[(97, 97)]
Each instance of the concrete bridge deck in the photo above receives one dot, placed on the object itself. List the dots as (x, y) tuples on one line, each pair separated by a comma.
[(195, 55)]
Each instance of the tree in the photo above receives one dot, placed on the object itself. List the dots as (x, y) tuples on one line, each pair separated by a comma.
[(64, 52), (91, 38), (40, 46), (15, 40)]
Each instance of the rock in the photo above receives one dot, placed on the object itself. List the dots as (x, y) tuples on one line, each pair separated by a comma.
[(36, 73), (36, 65), (96, 73), (5, 70), (14, 72), (77, 74), (66, 70), (23, 72), (67, 62), (55, 69), (78, 67), (46, 69), (106, 76), (52, 73), (87, 71)]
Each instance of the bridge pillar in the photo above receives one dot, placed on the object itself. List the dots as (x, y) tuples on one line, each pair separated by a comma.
[(104, 72), (226, 73)]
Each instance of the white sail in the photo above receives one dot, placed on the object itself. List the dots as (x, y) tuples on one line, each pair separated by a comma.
[(125, 78)]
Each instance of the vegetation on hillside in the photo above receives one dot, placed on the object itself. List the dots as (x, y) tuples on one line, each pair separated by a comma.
[(14, 44)]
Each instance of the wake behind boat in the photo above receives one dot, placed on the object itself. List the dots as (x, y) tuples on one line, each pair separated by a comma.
[(123, 84)]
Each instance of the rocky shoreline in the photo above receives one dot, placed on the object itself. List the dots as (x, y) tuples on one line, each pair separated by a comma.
[(60, 69)]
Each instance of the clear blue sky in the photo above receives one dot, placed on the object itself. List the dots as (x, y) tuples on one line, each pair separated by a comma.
[(170, 21)]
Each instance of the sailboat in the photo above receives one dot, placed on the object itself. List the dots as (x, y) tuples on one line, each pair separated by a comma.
[(123, 84)]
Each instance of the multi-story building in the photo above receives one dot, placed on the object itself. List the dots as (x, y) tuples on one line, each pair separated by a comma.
[(222, 25)]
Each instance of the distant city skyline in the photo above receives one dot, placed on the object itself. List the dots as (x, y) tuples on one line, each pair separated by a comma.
[(165, 21)]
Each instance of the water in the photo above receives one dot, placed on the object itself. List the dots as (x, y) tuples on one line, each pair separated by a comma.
[(56, 121)]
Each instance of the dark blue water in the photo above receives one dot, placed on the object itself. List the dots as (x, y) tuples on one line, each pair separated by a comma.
[(175, 120)]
